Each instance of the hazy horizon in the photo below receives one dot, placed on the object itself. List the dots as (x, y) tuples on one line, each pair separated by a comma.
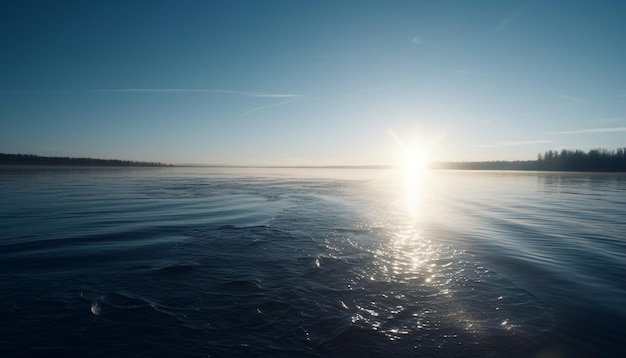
[(301, 83), (596, 160)]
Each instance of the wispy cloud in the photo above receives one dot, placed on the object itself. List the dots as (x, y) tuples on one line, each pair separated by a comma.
[(289, 96), (416, 40), (160, 90), (273, 105), (509, 19), (593, 130), (199, 90), (511, 143), (570, 98)]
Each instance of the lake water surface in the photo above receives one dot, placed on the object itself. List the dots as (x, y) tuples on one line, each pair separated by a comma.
[(311, 262)]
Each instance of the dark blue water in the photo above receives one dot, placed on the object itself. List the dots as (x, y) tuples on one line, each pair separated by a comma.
[(302, 262)]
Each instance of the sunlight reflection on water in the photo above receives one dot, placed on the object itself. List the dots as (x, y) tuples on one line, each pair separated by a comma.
[(434, 292)]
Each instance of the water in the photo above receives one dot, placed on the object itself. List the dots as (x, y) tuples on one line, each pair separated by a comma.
[(302, 262)]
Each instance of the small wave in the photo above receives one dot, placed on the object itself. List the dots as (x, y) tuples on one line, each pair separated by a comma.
[(119, 305), (174, 269), (242, 286)]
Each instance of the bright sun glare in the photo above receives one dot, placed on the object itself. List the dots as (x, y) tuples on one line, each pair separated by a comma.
[(415, 160), (415, 171), (413, 168), (413, 156)]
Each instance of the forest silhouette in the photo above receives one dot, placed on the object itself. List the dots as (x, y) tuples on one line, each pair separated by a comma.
[(30, 159), (595, 160)]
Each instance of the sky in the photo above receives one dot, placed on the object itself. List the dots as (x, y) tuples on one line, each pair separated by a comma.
[(311, 82)]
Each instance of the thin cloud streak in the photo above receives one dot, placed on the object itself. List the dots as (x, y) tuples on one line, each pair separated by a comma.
[(504, 23), (570, 98), (592, 130), (267, 107), (291, 97), (196, 90), (511, 143)]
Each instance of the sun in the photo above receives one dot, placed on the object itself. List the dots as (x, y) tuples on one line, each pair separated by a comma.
[(414, 167), (413, 156), (415, 174), (415, 160), (414, 177)]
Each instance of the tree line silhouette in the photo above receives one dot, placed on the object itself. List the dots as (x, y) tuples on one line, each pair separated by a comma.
[(576, 160), (30, 159), (595, 160)]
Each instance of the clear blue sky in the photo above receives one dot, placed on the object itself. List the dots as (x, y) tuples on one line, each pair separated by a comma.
[(310, 82)]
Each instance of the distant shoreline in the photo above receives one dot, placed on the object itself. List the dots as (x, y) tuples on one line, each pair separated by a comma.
[(36, 160), (343, 167), (596, 160)]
